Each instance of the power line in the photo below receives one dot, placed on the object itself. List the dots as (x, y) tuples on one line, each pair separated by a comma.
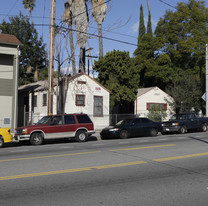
[(11, 9), (44, 17), (95, 35), (168, 4), (43, 14)]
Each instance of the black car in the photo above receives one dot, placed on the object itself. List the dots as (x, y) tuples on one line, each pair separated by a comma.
[(132, 128)]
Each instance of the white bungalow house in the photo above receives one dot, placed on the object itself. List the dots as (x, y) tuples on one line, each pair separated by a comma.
[(84, 95), (148, 97)]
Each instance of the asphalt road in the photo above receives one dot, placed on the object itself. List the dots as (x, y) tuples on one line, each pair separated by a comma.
[(163, 170)]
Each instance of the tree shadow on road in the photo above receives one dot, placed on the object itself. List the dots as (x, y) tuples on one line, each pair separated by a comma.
[(201, 140)]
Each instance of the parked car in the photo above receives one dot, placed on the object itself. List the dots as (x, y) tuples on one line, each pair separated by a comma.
[(5, 136), (77, 126), (183, 122), (132, 127)]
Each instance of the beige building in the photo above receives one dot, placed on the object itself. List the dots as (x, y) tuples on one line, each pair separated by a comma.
[(148, 97), (9, 62)]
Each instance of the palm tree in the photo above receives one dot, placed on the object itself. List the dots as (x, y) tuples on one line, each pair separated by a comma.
[(29, 5), (80, 21), (67, 18), (99, 10)]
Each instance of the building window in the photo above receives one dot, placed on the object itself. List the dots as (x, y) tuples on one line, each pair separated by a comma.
[(81, 82), (80, 100), (35, 101), (162, 106), (44, 99), (98, 106)]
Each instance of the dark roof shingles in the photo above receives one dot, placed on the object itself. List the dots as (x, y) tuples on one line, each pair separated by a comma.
[(9, 39)]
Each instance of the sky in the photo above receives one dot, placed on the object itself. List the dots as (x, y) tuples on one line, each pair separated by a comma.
[(120, 25)]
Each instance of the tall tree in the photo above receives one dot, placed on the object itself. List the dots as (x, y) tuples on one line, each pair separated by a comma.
[(80, 20), (33, 53), (178, 46), (29, 5), (118, 74), (144, 54), (99, 10), (145, 58), (149, 23), (67, 18), (186, 93), (142, 29), (183, 35)]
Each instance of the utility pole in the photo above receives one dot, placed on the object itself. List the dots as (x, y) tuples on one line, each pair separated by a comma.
[(51, 57), (206, 96), (148, 6)]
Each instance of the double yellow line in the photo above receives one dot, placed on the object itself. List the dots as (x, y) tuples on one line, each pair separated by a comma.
[(70, 170), (95, 167)]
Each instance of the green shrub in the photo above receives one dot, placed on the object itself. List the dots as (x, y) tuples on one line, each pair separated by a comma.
[(157, 114)]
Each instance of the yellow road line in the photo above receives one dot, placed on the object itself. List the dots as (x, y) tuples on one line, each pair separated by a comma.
[(70, 170), (149, 147), (180, 157), (40, 157)]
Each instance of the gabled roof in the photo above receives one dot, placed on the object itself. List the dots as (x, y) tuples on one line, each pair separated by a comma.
[(9, 39), (35, 86), (144, 90), (82, 73), (43, 85)]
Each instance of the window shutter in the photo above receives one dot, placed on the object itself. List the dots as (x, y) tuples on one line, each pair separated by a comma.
[(148, 105)]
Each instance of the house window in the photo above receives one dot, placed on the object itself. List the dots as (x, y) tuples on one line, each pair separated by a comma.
[(81, 82), (98, 106), (80, 100), (157, 105), (44, 99), (35, 101)]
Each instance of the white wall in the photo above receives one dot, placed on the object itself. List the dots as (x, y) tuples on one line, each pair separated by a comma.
[(6, 72), (90, 89), (155, 95), (41, 110)]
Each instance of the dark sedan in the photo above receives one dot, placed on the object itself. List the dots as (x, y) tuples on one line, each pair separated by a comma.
[(133, 127)]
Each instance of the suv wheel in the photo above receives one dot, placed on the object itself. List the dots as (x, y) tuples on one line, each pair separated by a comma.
[(36, 139), (1, 142), (81, 136)]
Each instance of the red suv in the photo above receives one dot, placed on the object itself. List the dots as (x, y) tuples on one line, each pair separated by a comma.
[(77, 126)]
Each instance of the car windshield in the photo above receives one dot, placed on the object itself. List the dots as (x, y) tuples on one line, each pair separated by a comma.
[(44, 120), (124, 121), (178, 116)]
